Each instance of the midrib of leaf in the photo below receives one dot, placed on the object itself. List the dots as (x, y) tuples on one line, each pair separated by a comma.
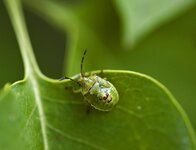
[(32, 71)]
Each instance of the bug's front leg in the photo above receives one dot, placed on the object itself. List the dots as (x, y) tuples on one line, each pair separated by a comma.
[(101, 74), (74, 90), (77, 90), (88, 109)]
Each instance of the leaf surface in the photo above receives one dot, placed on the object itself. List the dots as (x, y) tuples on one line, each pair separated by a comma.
[(146, 116)]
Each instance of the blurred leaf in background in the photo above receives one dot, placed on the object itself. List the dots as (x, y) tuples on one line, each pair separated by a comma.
[(11, 68), (140, 17)]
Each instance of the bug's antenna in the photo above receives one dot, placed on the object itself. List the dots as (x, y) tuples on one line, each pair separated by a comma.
[(81, 65), (63, 78)]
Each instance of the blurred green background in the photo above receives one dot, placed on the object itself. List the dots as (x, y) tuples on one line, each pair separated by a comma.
[(155, 37)]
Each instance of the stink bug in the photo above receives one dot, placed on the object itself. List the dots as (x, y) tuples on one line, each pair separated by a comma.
[(98, 92)]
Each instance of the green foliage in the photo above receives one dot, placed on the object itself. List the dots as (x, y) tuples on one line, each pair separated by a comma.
[(42, 113), (140, 17), (146, 116)]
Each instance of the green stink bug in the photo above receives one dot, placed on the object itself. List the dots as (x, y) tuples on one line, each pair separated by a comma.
[(98, 92)]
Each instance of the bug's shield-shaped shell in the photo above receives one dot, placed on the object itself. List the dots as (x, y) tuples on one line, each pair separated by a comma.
[(99, 93)]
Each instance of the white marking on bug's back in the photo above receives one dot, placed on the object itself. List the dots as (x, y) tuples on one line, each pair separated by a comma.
[(95, 88)]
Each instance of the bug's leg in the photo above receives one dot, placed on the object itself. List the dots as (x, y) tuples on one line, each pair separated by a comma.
[(88, 109), (88, 106), (91, 73), (72, 89), (87, 74), (101, 74), (76, 90)]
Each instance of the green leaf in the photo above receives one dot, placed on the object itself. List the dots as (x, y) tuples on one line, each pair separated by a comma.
[(146, 116), (141, 17), (41, 113)]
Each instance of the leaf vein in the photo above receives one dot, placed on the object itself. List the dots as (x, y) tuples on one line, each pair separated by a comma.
[(78, 140)]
